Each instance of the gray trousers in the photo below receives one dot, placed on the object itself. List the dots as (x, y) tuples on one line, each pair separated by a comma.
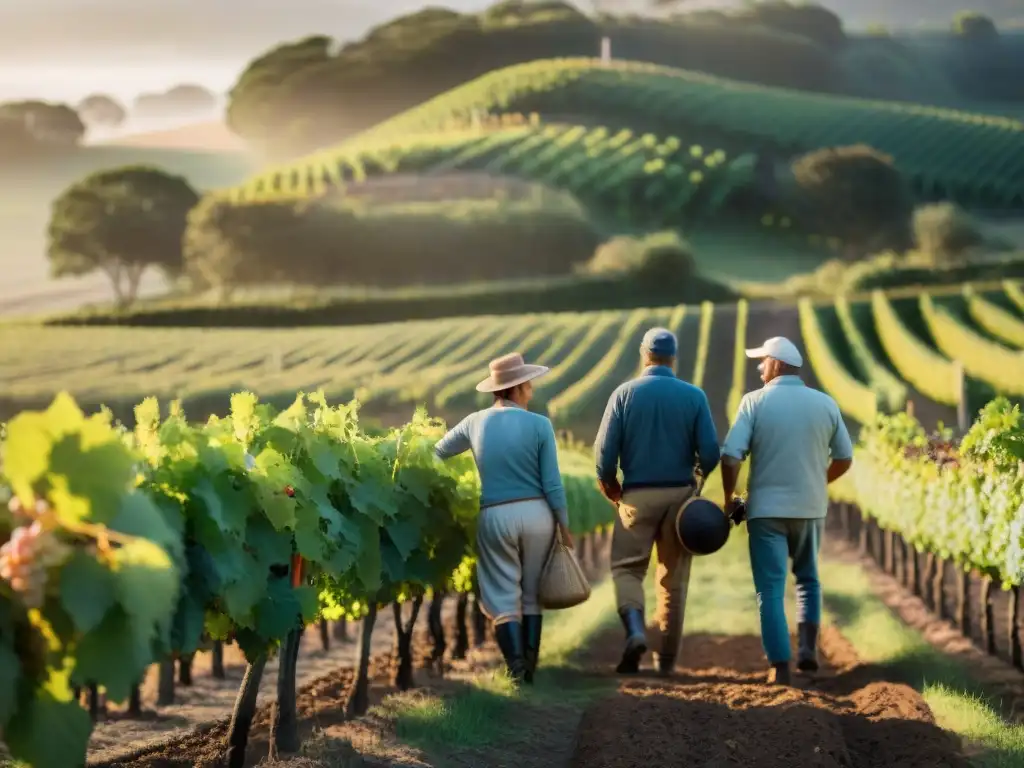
[(513, 541)]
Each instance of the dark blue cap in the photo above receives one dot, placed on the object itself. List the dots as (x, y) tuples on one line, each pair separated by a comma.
[(660, 341)]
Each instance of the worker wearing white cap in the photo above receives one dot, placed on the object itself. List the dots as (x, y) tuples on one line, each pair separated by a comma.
[(798, 444)]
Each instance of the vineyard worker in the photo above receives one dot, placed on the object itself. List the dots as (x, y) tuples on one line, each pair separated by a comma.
[(520, 500), (798, 444), (657, 428)]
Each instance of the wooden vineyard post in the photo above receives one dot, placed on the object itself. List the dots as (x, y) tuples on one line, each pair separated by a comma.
[(987, 628), (165, 686), (325, 634), (1014, 611), (938, 587), (863, 543), (461, 626), (889, 545), (915, 573), (218, 660), (928, 583), (359, 697), (963, 602)]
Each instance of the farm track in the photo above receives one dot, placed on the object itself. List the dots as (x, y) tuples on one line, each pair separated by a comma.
[(717, 712)]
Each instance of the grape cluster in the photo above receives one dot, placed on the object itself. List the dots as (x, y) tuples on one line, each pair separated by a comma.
[(937, 449), (32, 550)]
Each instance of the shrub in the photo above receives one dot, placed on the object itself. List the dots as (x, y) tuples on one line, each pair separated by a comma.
[(943, 233), (811, 21), (340, 242), (856, 194), (655, 258), (974, 26)]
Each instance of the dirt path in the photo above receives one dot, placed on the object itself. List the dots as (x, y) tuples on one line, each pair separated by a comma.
[(718, 712)]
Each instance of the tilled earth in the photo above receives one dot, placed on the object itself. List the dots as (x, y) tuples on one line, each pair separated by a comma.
[(717, 711)]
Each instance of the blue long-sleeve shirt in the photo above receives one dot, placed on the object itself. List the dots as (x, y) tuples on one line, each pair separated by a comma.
[(658, 428), (516, 455)]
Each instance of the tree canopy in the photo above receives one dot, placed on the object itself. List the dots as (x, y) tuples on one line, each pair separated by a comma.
[(100, 109), (856, 194), (120, 222), (45, 122), (179, 100)]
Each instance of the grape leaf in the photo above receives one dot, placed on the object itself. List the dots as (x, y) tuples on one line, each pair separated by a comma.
[(405, 535), (88, 473), (87, 590), (279, 612), (242, 596), (26, 452), (147, 584), (222, 505), (218, 626), (187, 629), (267, 546), (368, 564), (309, 603), (308, 538), (112, 655), (51, 730)]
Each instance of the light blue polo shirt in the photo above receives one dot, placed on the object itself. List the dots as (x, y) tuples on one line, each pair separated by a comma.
[(791, 433)]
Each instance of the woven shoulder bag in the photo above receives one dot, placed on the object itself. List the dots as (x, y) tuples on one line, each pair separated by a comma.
[(562, 582)]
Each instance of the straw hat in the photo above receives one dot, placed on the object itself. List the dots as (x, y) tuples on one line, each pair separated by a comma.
[(510, 371)]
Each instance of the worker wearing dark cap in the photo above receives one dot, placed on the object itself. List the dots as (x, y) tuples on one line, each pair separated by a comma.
[(656, 429)]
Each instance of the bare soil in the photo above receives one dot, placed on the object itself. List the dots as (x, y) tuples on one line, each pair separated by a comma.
[(718, 711), (1003, 680)]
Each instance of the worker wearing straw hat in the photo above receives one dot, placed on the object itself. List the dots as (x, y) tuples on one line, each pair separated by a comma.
[(798, 444), (521, 502), (657, 428)]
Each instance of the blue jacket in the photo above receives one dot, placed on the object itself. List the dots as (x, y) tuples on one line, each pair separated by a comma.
[(515, 453), (658, 428)]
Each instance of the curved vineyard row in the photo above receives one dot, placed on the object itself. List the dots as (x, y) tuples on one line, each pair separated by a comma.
[(887, 350), (666, 179), (984, 153), (124, 547), (1001, 322)]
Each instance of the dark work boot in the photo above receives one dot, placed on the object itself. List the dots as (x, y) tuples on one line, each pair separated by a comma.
[(509, 636), (807, 653), (636, 641), (531, 644), (779, 674)]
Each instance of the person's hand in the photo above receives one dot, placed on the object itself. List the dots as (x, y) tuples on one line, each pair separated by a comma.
[(736, 510), (566, 537), (611, 490)]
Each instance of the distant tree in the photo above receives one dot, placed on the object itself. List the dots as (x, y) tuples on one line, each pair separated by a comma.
[(180, 100), (855, 194), (974, 26), (944, 233), (46, 122), (655, 259), (100, 109), (811, 21), (120, 222)]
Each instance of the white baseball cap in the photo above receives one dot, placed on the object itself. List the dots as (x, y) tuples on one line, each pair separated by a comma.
[(778, 348)]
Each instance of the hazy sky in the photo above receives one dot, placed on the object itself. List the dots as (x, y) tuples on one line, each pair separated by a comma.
[(65, 49)]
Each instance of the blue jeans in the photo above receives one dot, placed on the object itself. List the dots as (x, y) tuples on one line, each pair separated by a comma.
[(773, 541)]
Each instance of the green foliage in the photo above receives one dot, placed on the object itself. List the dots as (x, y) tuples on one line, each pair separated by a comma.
[(943, 233), (967, 509), (120, 222), (856, 194), (294, 243), (655, 259), (302, 95), (975, 27), (775, 121), (181, 100), (176, 532), (986, 360), (107, 600)]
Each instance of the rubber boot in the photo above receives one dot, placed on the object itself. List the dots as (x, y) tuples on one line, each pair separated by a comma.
[(779, 674), (509, 636), (531, 645), (636, 641), (807, 654)]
